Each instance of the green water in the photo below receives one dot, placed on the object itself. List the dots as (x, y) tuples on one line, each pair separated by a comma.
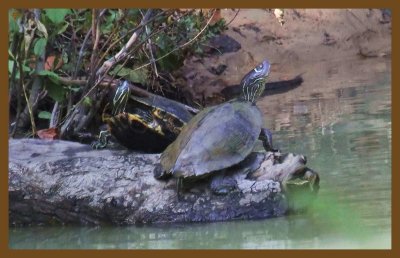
[(346, 136)]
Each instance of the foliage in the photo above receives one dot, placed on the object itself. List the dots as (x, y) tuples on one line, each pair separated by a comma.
[(63, 40)]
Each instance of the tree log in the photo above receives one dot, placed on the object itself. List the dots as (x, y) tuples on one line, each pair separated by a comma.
[(61, 182)]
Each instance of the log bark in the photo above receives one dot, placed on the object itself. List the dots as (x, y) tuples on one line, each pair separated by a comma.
[(61, 182)]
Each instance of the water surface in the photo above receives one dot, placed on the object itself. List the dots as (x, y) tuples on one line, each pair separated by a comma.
[(345, 133)]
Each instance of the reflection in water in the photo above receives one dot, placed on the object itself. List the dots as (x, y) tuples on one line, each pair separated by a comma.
[(351, 150), (347, 139), (280, 233)]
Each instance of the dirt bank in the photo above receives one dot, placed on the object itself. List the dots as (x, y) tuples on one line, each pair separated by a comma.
[(331, 48)]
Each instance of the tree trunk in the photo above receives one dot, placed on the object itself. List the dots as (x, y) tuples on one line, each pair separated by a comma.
[(60, 182)]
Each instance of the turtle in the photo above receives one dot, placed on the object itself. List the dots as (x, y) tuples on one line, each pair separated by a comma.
[(218, 137), (148, 124)]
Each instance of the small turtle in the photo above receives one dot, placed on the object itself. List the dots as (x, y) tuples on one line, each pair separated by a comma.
[(219, 137), (146, 124)]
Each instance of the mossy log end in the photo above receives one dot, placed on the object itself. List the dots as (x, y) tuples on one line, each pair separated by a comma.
[(60, 182)]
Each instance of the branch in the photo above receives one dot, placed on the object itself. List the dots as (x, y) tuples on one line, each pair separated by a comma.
[(134, 89), (124, 51), (179, 47)]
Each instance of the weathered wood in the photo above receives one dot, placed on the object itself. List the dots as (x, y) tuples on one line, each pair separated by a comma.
[(52, 182)]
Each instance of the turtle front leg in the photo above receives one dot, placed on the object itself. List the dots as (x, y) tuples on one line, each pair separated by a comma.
[(179, 188), (266, 138), (102, 142)]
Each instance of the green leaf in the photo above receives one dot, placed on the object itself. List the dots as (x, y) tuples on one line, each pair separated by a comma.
[(51, 75), (170, 62), (164, 42), (74, 89), (109, 22), (10, 66), (40, 46), (42, 29), (24, 68), (87, 101), (57, 15), (12, 24), (139, 76), (55, 91), (11, 54), (65, 57), (44, 115), (63, 28)]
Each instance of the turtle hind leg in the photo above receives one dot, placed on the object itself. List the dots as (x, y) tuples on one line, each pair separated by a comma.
[(102, 142), (222, 185), (266, 138)]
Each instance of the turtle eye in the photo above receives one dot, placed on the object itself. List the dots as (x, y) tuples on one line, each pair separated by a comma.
[(258, 68)]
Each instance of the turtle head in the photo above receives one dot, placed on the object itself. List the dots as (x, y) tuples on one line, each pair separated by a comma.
[(120, 98), (253, 83)]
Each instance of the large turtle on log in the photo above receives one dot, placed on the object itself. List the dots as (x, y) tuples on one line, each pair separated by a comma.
[(219, 137)]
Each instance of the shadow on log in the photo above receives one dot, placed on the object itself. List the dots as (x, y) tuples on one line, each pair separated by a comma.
[(60, 182)]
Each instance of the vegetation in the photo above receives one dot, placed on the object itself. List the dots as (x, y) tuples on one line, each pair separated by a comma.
[(62, 61)]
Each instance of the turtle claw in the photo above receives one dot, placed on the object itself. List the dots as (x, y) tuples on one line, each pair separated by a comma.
[(97, 145), (102, 142), (266, 138), (275, 150)]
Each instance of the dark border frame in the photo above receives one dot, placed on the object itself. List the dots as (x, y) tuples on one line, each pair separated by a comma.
[(6, 252)]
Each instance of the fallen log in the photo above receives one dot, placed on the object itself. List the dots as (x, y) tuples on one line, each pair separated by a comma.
[(61, 182)]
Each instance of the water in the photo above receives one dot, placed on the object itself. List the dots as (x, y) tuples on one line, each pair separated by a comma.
[(345, 134)]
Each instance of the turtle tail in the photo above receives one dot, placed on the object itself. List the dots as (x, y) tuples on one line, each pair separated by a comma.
[(160, 173)]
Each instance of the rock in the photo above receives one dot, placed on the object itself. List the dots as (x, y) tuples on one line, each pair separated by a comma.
[(222, 44), (217, 70)]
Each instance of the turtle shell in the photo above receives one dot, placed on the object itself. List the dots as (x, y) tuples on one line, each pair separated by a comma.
[(216, 138), (170, 114), (148, 124), (165, 107)]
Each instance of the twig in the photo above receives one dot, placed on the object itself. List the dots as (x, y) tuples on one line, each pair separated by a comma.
[(77, 82), (96, 36), (55, 115), (356, 17), (124, 51), (149, 46), (134, 89), (13, 85), (179, 47), (107, 65), (234, 17), (83, 47), (36, 87), (124, 36), (28, 104), (98, 82), (81, 51)]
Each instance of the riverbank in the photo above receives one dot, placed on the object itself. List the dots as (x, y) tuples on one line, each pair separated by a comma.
[(330, 48)]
